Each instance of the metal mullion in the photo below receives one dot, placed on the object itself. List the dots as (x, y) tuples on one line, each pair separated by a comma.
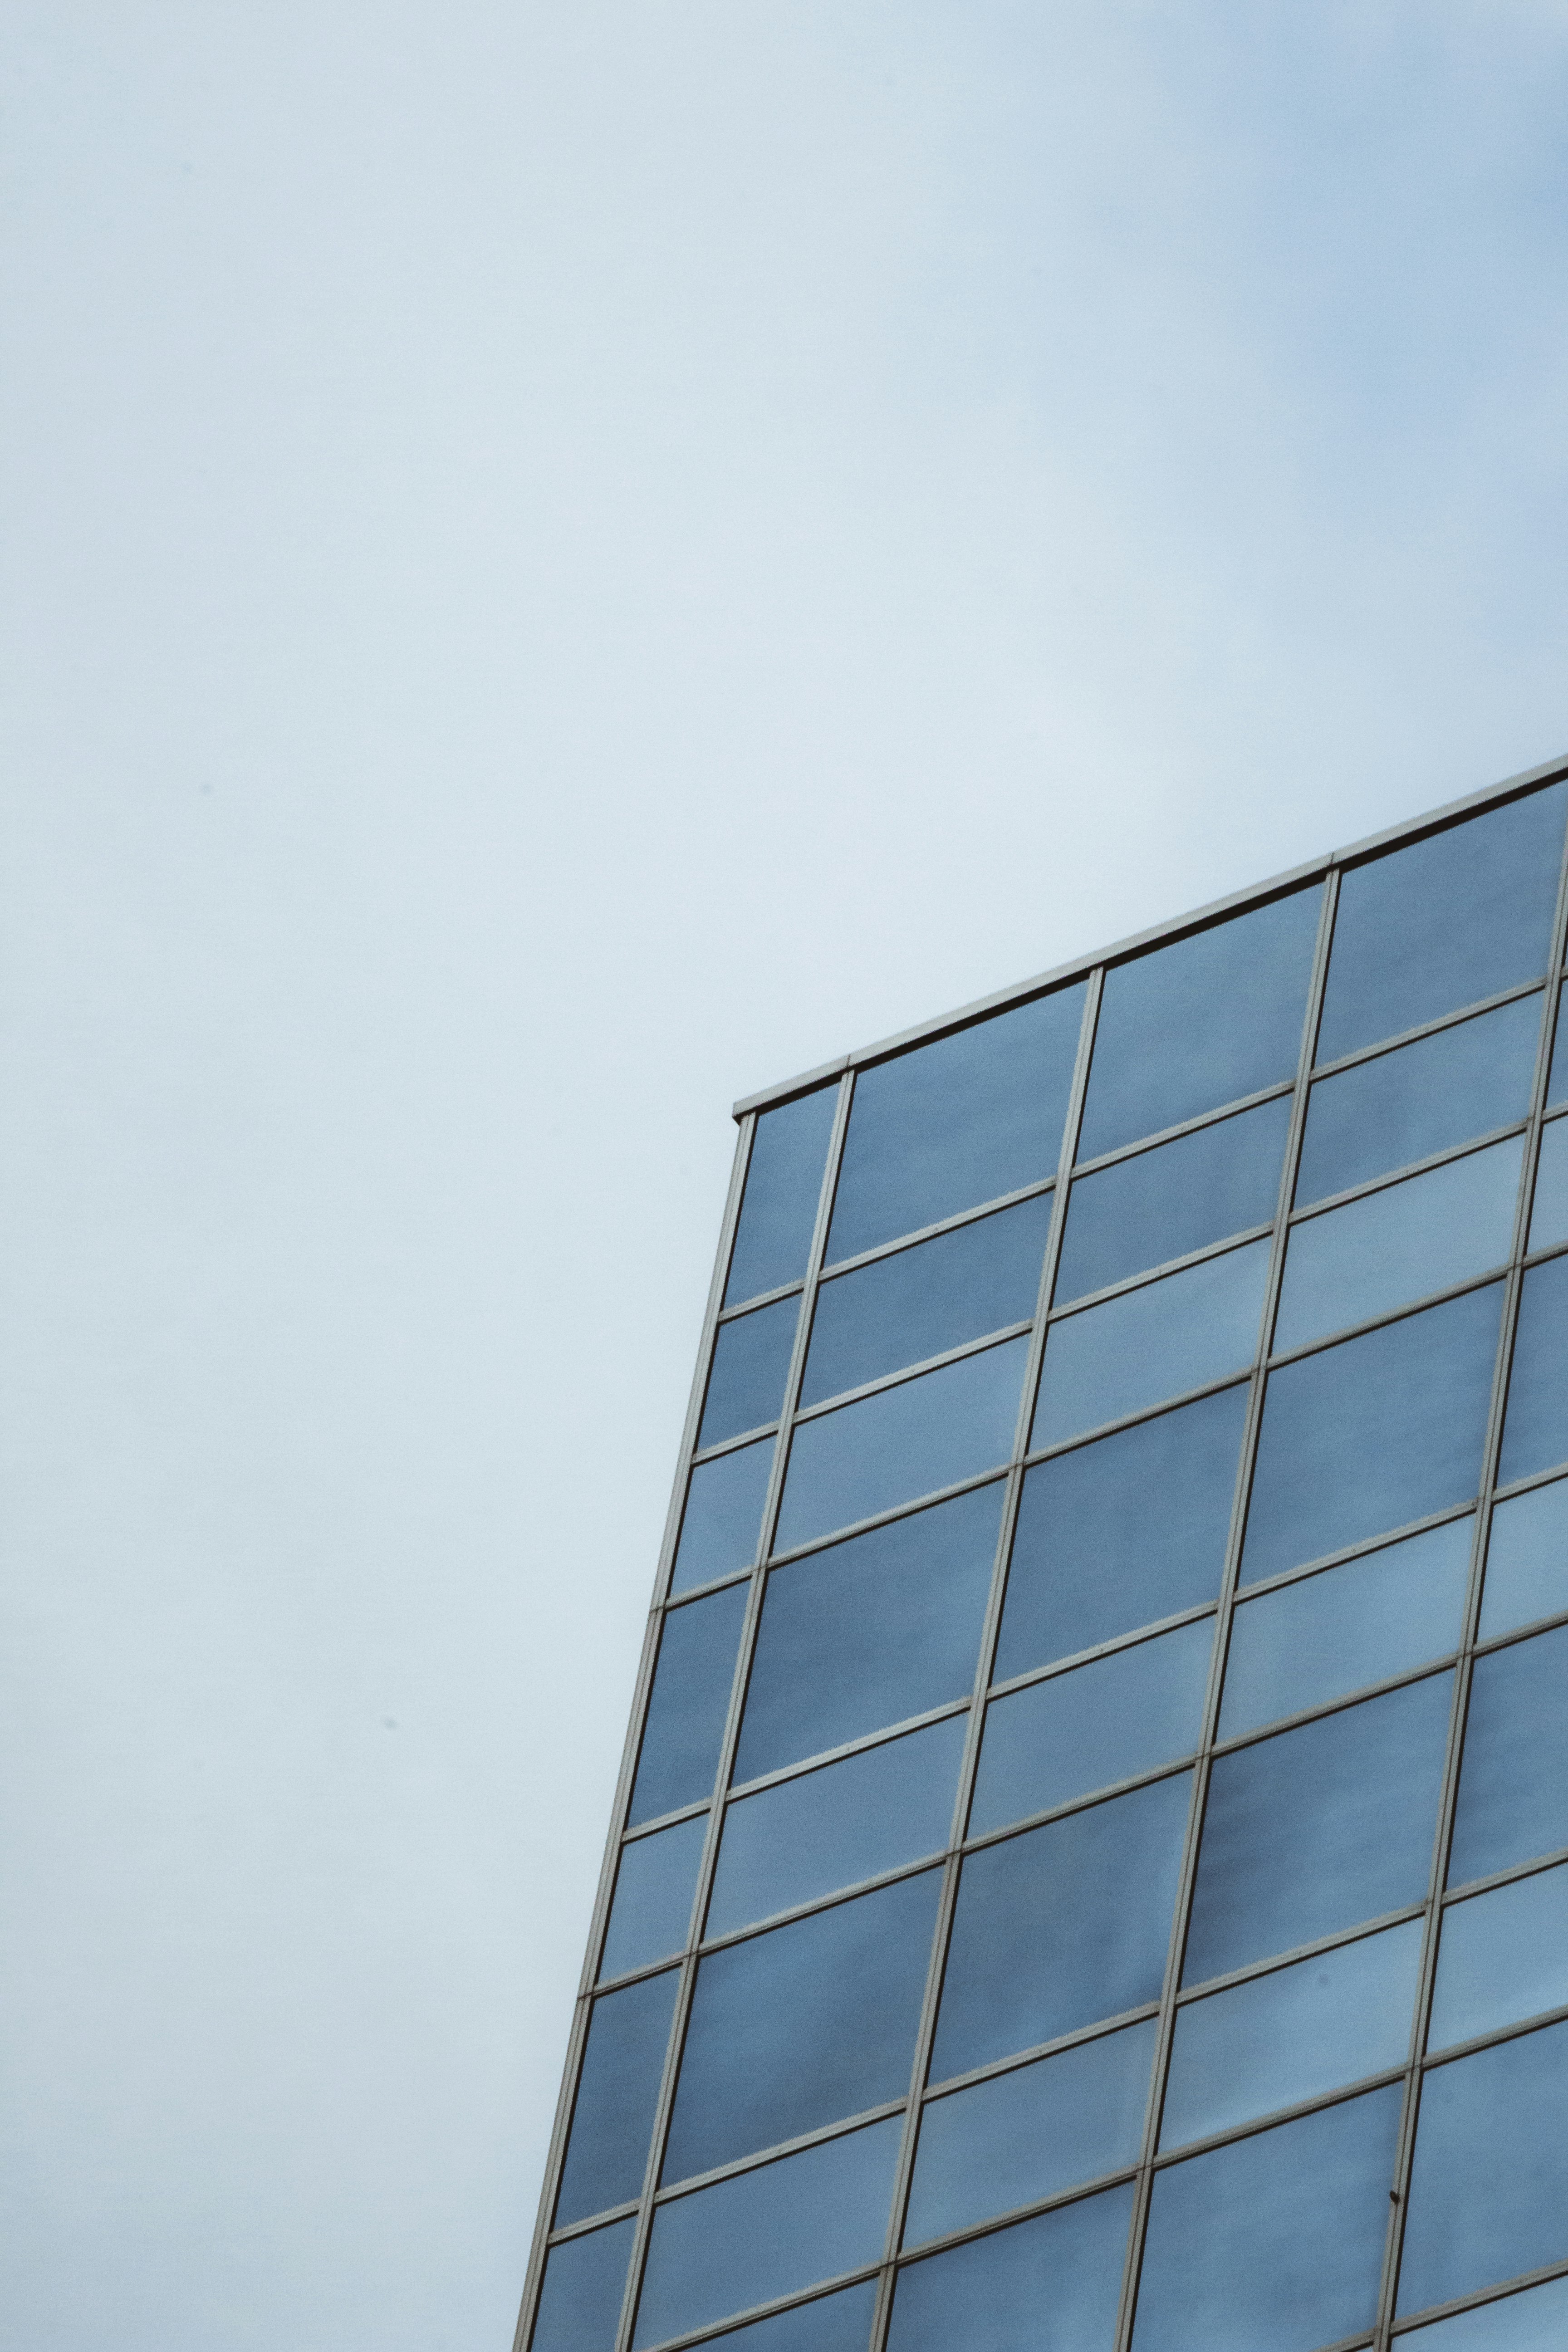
[(877, 1251), (1016, 2060), (799, 2300), (1494, 2292), (1087, 1300), (1308, 1569), (1108, 1648), (736, 1445), (1407, 1172), (830, 1902), (1183, 1127), (1500, 1272), (1515, 2030), (1098, 1429), (916, 1503), (1470, 1887), (755, 2158), (900, 1378), (1454, 1018), (1272, 2117), (823, 1758), (1293, 1954), (1427, 1671), (762, 1298)]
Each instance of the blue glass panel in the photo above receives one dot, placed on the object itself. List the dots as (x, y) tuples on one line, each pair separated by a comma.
[(611, 2122), (1503, 1957), (870, 1632), (1274, 2243), (1049, 2285), (1488, 2191), (790, 2029), (723, 1517), (1061, 1926), (919, 1302), (1535, 2321), (688, 1703), (1118, 1534), (751, 1362), (1548, 1211), (832, 2323), (1373, 1254), (1318, 1828), (1018, 2138), (778, 1208), (1179, 1197), (1527, 1560), (653, 1887), (1535, 1435), (1513, 1779), (902, 1441), (1372, 1434), (1364, 1621), (827, 1829), (941, 1129), (1201, 1023), (1292, 2034), (1421, 1098), (1557, 1076), (1462, 915), (580, 2301), (1149, 1344), (768, 2232), (1119, 1715)]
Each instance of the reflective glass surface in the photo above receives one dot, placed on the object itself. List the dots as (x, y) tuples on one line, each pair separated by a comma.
[(1488, 2191), (1503, 1957), (1535, 1435), (607, 2152), (1121, 1533), (1317, 1828), (778, 1207), (580, 2302), (1049, 2285), (1513, 1779), (690, 1700), (1527, 1560), (1134, 1350), (1181, 1196), (947, 1126), (723, 1518), (750, 1361), (1535, 2321), (902, 1441), (870, 1632), (832, 2323), (1557, 1076), (655, 1882), (1548, 1210), (1372, 1434), (919, 1302)]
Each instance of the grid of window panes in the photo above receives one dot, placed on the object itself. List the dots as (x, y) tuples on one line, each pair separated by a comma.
[(1101, 1883)]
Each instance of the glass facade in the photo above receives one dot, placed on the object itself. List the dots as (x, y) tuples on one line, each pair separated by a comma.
[(1092, 1869)]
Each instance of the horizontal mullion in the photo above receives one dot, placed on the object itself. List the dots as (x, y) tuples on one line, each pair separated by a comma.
[(884, 1518), (1080, 1804), (1144, 1413), (1529, 1868), (620, 2213), (906, 1372), (1164, 2157), (1496, 2291), (733, 1444), (1392, 1315), (1430, 1028), (829, 1901), (1017, 2059), (803, 1768), (1193, 1126), (759, 1299), (1362, 1550), (1186, 1994), (1108, 1648), (797, 2301), (1012, 2213), (1452, 2051), (1405, 1173), (1442, 1665), (879, 1250), (1088, 1299), (668, 2193)]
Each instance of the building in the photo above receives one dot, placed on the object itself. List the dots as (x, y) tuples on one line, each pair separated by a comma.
[(1137, 1921)]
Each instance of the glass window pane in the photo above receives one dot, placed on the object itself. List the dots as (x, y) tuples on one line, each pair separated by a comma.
[(1117, 1717), (1548, 1211), (1318, 1828), (1535, 2321), (1388, 1247), (1179, 1197), (653, 1887), (902, 1441), (611, 2122), (1503, 1957), (1049, 2285), (1061, 1926), (1488, 2191), (1422, 1098), (723, 1517), (832, 2323), (751, 1363), (1201, 1023), (870, 1632), (580, 2301), (1372, 1434), (778, 1208), (1513, 1779), (1364, 1621), (1535, 1435), (689, 1703), (1450, 920), (1274, 2243), (1291, 2035), (941, 1129), (919, 1302), (1557, 1076), (827, 1829), (1019, 2138), (1527, 1560), (790, 2029), (1118, 1534), (1132, 1352), (768, 2232)]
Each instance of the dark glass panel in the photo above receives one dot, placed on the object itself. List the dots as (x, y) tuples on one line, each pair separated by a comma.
[(832, 2323), (1181, 1196), (1119, 1715), (1371, 1434), (1202, 1023), (1137, 1350), (1527, 1560), (611, 2122), (1422, 930), (1513, 1779), (941, 1128), (688, 1703), (1061, 1926), (919, 1302), (580, 2301), (825, 1830), (778, 1208), (1274, 2243), (1115, 1535), (653, 1887), (1503, 1957), (1317, 1828), (1018, 2138), (750, 1364), (811, 2021), (1420, 1099), (1488, 2190), (723, 1517), (1535, 1435), (1535, 2321), (1049, 2285), (1557, 1076), (1549, 1211), (769, 2232), (902, 1441), (870, 1632)]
